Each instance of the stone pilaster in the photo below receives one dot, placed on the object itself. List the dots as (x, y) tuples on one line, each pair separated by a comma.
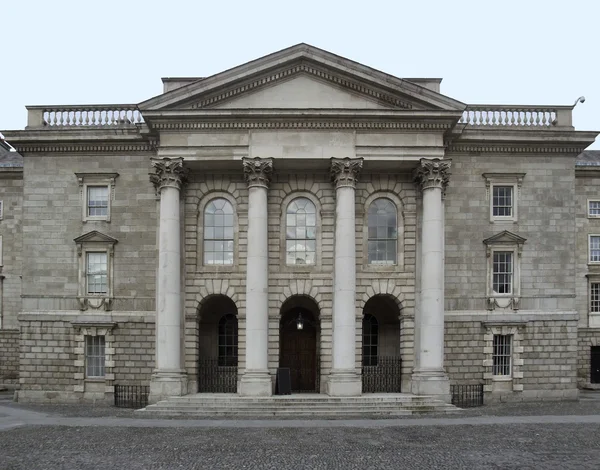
[(256, 380), (343, 379), (429, 377), (168, 378)]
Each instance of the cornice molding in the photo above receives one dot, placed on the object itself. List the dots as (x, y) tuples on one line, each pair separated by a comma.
[(84, 147), (303, 68), (302, 124), (493, 147)]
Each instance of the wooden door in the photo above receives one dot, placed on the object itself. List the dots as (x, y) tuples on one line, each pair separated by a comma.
[(299, 353)]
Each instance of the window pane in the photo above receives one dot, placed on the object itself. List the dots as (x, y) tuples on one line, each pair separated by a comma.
[(218, 228), (595, 248), (97, 201), (594, 208), (502, 272), (94, 356), (382, 232), (595, 297), (502, 201), (96, 273), (300, 232), (501, 356)]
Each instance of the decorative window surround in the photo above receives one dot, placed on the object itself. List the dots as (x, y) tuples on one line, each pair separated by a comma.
[(514, 180), (593, 208), (95, 242), (97, 384), (87, 180), (505, 242), (495, 383), (593, 300)]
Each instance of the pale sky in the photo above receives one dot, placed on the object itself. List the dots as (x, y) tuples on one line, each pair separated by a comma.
[(489, 52)]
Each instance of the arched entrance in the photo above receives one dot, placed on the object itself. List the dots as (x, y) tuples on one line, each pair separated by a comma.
[(298, 343), (217, 346), (381, 359)]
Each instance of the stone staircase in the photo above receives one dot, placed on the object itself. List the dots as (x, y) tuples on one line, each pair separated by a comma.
[(298, 406)]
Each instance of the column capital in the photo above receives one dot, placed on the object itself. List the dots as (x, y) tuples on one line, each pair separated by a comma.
[(432, 173), (257, 171), (168, 172), (345, 171)]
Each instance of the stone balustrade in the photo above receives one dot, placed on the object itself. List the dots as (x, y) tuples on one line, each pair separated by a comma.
[(517, 116), (85, 115)]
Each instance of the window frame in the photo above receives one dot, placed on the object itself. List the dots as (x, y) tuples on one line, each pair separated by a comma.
[(224, 240), (224, 359), (372, 336), (306, 238), (369, 239), (203, 203), (590, 261), (99, 339), (283, 233), (104, 273), (510, 273), (495, 355), (90, 180), (592, 216), (514, 180)]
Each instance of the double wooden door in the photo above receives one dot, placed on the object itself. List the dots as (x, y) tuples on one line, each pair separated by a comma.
[(298, 352)]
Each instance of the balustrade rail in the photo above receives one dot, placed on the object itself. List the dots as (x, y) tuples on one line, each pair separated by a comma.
[(385, 377), (131, 396), (215, 378), (467, 396), (89, 115), (515, 116)]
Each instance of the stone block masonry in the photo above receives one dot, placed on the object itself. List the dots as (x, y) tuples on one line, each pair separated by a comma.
[(9, 358)]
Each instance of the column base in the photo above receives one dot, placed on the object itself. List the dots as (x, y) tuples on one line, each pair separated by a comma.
[(344, 384), (167, 383), (256, 384), (434, 383)]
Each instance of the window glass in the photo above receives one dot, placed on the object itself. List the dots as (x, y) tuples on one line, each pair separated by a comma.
[(96, 273), (594, 248), (218, 232), (228, 340), (594, 208), (595, 297), (370, 340), (382, 232), (300, 232), (501, 358), (94, 356), (502, 272), (97, 201)]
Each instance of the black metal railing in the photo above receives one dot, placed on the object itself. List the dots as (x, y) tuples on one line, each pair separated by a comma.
[(385, 377), (467, 396), (131, 396), (215, 378)]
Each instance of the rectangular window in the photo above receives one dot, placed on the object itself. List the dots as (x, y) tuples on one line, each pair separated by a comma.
[(502, 201), (595, 297), (94, 356), (97, 201), (96, 273), (502, 276), (501, 365), (593, 208), (594, 248)]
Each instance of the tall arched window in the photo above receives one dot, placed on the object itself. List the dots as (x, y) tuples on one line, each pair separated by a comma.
[(228, 340), (383, 232), (301, 226), (218, 232), (370, 340)]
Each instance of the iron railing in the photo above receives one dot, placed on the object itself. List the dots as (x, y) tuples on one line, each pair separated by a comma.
[(131, 396), (467, 396), (385, 377), (215, 378)]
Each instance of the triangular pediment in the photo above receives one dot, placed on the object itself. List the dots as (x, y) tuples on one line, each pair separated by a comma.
[(505, 237), (300, 77), (95, 236)]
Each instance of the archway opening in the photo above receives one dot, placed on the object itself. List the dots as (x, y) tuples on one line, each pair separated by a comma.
[(299, 343), (217, 345), (381, 358)]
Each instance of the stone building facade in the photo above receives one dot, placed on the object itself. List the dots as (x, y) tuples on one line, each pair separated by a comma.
[(301, 211)]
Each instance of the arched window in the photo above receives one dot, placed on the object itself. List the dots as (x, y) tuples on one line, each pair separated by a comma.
[(383, 232), (228, 340), (370, 340), (301, 226), (218, 232)]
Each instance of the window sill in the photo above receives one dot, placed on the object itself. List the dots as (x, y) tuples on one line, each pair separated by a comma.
[(95, 379), (502, 378)]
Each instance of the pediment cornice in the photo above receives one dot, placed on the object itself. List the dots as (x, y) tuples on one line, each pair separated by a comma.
[(504, 237), (302, 58), (95, 237)]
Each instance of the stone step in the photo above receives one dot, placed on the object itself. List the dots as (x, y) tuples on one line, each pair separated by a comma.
[(184, 405)]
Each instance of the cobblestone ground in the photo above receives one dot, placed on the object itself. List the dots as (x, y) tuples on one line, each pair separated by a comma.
[(510, 436)]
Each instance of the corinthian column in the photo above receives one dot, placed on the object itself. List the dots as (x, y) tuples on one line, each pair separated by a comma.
[(429, 377), (168, 378), (343, 380), (256, 380)]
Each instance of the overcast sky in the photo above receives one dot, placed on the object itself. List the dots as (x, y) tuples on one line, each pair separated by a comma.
[(491, 52)]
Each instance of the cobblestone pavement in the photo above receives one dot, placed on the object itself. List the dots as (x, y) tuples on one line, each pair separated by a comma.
[(515, 436)]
